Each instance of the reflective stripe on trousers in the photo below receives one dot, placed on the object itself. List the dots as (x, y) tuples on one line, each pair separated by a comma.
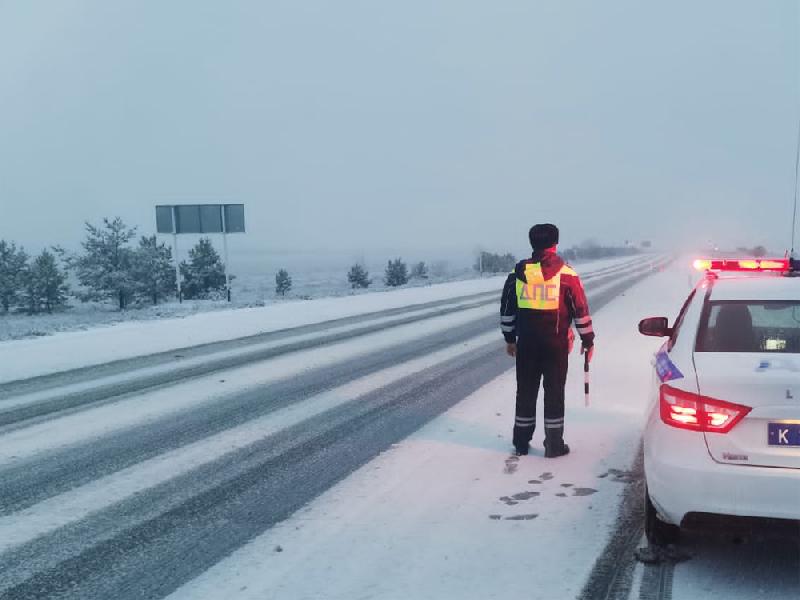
[(545, 367)]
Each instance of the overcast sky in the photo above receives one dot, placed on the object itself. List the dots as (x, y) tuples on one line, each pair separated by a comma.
[(406, 127)]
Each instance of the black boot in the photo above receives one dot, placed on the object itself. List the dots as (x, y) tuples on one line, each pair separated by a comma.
[(521, 450), (554, 451), (554, 445)]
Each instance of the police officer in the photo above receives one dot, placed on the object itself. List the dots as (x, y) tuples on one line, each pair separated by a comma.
[(541, 299)]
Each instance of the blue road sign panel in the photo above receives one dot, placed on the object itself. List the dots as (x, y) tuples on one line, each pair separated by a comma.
[(234, 218), (164, 222), (200, 218)]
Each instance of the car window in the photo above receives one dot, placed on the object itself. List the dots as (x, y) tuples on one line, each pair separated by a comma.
[(679, 321), (738, 326)]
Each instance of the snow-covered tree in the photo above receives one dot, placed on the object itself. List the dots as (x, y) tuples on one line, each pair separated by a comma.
[(283, 282), (396, 273), (419, 271), (358, 276), (105, 267), (45, 284), (153, 270), (13, 262), (204, 274)]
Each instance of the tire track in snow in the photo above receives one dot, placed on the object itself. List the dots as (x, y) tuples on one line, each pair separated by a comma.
[(612, 577), (52, 473), (151, 543), (657, 581), (94, 396)]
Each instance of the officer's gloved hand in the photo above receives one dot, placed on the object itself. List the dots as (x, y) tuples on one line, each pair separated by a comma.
[(588, 351)]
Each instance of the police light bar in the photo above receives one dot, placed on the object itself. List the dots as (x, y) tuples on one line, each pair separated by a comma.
[(751, 265)]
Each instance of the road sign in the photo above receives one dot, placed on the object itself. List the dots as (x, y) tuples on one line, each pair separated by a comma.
[(200, 218), (177, 219)]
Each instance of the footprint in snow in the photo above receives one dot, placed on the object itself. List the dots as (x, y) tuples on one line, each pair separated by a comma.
[(546, 476), (511, 465), (535, 481), (566, 485), (525, 495), (530, 517), (583, 491), (561, 495), (495, 517)]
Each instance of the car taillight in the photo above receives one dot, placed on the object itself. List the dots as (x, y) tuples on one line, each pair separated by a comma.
[(687, 410)]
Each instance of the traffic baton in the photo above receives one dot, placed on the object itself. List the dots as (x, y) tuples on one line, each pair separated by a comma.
[(586, 377)]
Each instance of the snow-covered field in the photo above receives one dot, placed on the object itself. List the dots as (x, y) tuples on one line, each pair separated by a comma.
[(448, 514), (248, 291)]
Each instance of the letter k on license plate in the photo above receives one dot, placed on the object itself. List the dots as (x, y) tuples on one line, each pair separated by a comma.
[(784, 434)]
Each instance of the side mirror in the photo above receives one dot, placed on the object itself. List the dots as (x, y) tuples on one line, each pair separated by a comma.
[(655, 327)]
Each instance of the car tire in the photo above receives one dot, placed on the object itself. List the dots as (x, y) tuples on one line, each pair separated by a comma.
[(656, 531)]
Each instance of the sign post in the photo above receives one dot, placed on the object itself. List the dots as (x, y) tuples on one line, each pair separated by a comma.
[(225, 247), (175, 252), (178, 219)]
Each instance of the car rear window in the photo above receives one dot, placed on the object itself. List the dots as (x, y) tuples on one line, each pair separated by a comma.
[(750, 326)]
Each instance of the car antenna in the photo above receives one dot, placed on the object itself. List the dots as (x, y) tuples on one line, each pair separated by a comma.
[(794, 264)]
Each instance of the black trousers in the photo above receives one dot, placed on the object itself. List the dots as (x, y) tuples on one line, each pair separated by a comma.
[(539, 363)]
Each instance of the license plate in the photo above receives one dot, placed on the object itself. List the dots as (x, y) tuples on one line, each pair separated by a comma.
[(784, 434)]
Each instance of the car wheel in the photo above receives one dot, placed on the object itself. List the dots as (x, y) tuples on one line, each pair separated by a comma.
[(657, 531)]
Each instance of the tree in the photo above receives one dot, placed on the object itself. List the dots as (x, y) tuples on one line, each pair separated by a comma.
[(419, 271), (45, 284), (396, 273), (153, 270), (283, 283), (106, 266), (13, 263), (358, 276), (204, 273), (759, 251)]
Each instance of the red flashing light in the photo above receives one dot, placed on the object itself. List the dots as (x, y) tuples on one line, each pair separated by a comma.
[(750, 265), (687, 410)]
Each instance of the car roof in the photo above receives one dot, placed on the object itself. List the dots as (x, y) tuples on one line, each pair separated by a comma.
[(756, 287)]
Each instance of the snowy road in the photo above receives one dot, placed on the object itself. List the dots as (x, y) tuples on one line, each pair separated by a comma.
[(259, 468)]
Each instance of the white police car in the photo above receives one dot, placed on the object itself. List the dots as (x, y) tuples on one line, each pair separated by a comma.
[(723, 429)]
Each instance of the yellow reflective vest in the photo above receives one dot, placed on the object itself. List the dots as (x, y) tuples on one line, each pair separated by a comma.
[(538, 293)]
